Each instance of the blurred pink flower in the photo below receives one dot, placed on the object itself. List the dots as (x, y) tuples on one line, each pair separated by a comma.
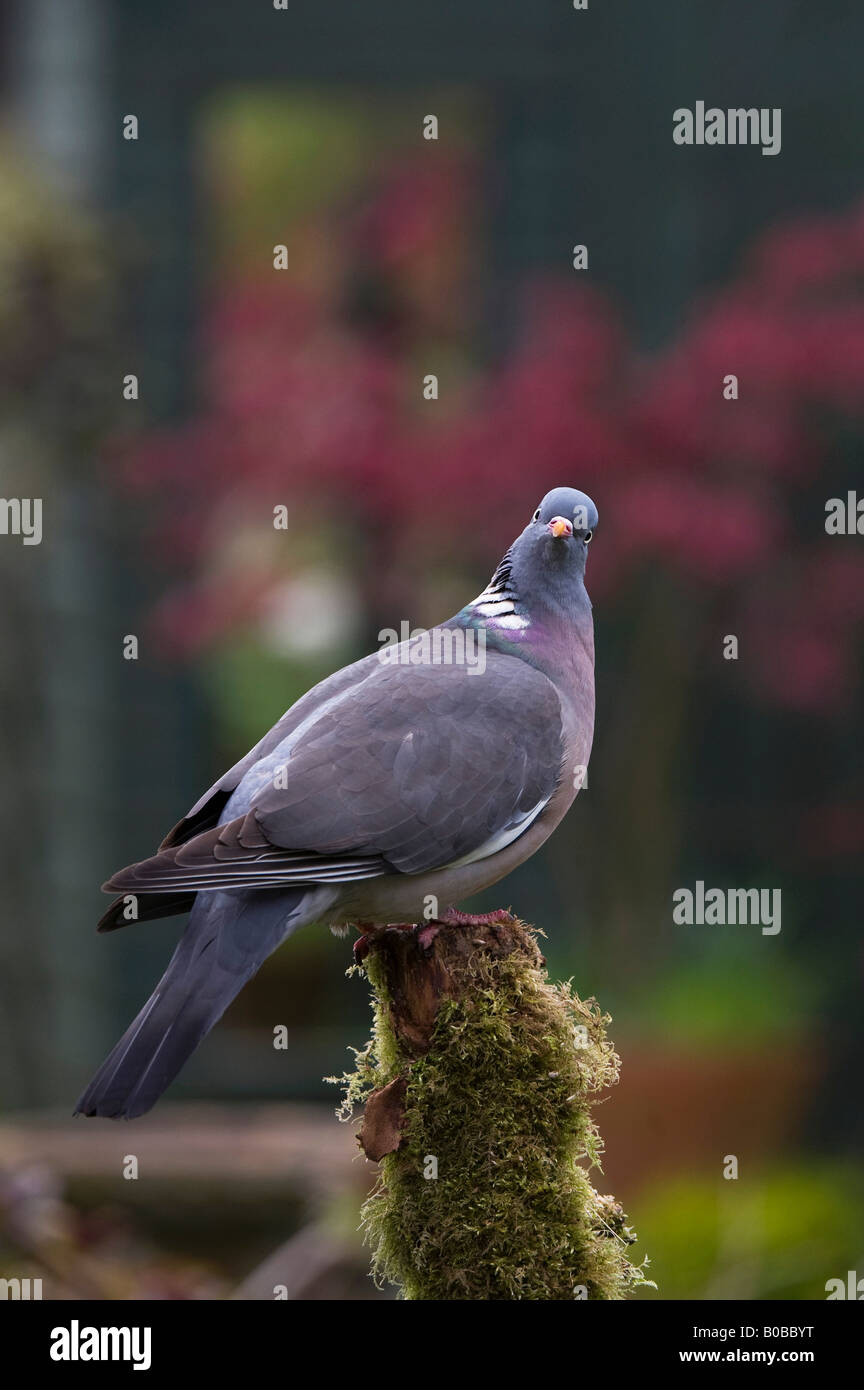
[(307, 408)]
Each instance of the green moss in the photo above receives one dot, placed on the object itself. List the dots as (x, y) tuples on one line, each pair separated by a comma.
[(501, 1100)]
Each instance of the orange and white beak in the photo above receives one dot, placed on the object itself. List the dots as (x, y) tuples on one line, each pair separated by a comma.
[(560, 526)]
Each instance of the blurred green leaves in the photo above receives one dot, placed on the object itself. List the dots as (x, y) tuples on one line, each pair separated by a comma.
[(779, 1235)]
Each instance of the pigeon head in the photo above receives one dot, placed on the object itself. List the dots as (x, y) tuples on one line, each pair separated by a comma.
[(566, 514), (544, 568)]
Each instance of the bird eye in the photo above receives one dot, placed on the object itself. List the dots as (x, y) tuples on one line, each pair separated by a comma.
[(587, 537), (537, 514)]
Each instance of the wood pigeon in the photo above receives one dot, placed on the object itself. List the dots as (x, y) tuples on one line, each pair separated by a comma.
[(415, 777)]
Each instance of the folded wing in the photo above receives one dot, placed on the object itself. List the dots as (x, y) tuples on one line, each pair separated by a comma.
[(408, 769)]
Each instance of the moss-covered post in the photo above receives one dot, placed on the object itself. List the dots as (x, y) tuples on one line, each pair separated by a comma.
[(478, 1082)]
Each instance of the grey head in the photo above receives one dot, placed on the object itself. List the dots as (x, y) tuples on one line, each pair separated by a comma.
[(542, 575)]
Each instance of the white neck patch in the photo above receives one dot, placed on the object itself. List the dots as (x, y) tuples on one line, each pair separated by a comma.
[(496, 604)]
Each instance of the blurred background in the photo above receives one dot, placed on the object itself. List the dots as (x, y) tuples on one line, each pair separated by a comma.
[(303, 388)]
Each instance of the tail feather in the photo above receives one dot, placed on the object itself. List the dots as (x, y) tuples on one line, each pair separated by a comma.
[(226, 941), (147, 907)]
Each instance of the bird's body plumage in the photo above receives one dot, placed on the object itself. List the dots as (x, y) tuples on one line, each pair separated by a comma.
[(392, 784)]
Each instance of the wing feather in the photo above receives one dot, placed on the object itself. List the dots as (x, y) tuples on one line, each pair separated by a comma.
[(404, 769)]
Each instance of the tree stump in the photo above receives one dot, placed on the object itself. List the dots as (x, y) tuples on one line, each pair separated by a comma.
[(478, 1083)]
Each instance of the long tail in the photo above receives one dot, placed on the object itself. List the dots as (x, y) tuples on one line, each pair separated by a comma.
[(228, 937)]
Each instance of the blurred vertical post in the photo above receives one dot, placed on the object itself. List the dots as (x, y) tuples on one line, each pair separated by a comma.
[(55, 696)]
